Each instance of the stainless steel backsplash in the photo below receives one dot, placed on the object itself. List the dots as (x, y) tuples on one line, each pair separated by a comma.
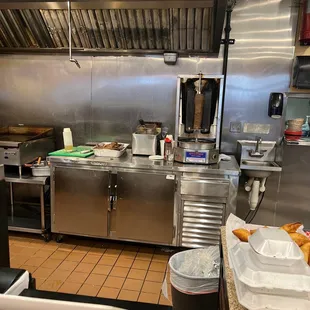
[(104, 99)]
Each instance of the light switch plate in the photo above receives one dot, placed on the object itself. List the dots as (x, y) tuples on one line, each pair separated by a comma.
[(235, 127)]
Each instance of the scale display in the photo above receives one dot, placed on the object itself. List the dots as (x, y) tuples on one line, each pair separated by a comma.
[(195, 157)]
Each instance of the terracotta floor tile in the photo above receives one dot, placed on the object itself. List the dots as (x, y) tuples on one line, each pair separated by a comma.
[(95, 279), (15, 249), (91, 259), (81, 249), (137, 274), (144, 256), (107, 260), (148, 298), (124, 262), (155, 266), (140, 264), (43, 273), (89, 290), (51, 285), (97, 249), (75, 256), (114, 282), (69, 287), (59, 274), (52, 263), (18, 260), (108, 292), (155, 276), (102, 269), (77, 277), (39, 282), (151, 287), (59, 254), (112, 252), (35, 261), (66, 247), (68, 265), (128, 254), (164, 301), (43, 253), (52, 245), (128, 295), (133, 285), (162, 258), (119, 272), (29, 251), (30, 269), (84, 267)]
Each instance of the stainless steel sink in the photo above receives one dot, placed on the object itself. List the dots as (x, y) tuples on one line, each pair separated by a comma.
[(259, 169)]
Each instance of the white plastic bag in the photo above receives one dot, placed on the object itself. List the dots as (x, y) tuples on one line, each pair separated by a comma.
[(195, 271)]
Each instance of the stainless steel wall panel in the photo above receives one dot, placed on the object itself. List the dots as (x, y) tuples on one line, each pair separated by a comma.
[(49, 91)]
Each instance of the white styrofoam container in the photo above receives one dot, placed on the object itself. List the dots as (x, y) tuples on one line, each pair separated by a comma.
[(109, 153), (266, 279), (274, 246), (254, 301)]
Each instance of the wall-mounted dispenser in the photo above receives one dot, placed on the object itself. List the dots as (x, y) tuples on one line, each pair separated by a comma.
[(275, 109)]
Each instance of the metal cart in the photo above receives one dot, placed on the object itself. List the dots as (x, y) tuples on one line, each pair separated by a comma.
[(25, 224)]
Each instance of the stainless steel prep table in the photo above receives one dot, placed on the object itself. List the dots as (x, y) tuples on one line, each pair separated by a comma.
[(133, 198), (29, 224)]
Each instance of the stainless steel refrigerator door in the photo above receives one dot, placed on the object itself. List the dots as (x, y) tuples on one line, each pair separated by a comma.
[(145, 205), (81, 202)]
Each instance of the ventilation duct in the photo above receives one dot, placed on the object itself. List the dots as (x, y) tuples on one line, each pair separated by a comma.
[(98, 27)]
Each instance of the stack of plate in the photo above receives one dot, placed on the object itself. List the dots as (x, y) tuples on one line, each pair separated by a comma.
[(270, 272)]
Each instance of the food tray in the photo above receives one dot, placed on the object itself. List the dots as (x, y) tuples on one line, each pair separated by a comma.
[(110, 153), (275, 246), (259, 278), (254, 301), (41, 170)]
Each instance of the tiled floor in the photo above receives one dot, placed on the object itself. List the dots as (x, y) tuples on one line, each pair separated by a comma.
[(85, 267)]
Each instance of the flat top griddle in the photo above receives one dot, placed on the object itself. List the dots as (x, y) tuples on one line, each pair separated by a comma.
[(13, 136)]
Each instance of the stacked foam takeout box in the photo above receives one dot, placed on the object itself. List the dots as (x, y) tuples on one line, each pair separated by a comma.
[(270, 270)]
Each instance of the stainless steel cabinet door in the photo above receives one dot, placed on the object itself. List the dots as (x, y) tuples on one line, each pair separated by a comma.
[(144, 208), (81, 201)]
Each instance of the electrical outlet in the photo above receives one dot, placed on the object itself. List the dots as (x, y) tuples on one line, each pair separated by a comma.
[(235, 127)]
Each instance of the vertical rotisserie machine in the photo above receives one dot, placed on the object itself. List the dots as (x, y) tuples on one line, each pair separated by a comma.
[(198, 118)]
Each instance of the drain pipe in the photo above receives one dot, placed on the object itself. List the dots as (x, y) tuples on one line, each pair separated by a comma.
[(226, 41), (70, 36)]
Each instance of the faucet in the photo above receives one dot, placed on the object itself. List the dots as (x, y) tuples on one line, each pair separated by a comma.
[(257, 153)]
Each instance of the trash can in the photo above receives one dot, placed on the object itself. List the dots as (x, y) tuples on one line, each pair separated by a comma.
[(194, 276)]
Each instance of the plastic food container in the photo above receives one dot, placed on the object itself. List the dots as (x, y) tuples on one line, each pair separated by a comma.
[(254, 301), (109, 153), (275, 247), (267, 279)]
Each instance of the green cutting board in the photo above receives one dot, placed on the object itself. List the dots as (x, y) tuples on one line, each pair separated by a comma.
[(76, 152)]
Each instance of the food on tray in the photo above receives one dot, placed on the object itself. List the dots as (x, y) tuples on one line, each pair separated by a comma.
[(299, 238), (242, 234), (114, 146), (253, 231), (306, 250), (291, 227)]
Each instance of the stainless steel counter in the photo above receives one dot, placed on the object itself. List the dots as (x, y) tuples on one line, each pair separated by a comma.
[(228, 168), (133, 198)]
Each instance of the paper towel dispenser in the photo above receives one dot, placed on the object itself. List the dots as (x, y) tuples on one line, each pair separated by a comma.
[(301, 76)]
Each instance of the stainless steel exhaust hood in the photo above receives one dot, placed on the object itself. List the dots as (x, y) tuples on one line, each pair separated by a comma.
[(111, 26)]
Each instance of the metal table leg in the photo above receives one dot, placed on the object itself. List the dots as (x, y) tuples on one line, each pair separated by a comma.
[(42, 208), (12, 201)]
